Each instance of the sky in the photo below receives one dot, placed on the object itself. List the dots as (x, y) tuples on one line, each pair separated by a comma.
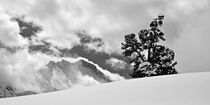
[(186, 27)]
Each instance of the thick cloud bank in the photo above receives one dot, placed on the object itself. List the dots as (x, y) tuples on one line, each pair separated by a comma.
[(29, 63), (42, 73), (105, 23), (9, 31)]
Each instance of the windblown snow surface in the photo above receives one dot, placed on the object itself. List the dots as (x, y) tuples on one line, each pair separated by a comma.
[(181, 89)]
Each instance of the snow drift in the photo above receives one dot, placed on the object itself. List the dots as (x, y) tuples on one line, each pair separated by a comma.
[(181, 89)]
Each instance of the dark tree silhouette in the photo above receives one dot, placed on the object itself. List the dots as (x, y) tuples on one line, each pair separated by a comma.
[(147, 56)]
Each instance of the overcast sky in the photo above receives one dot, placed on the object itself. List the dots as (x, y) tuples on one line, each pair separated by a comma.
[(186, 24)]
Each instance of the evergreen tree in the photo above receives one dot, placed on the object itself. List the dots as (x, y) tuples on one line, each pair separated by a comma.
[(147, 56)]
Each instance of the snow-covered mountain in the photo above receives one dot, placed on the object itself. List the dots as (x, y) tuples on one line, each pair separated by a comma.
[(181, 89), (64, 74)]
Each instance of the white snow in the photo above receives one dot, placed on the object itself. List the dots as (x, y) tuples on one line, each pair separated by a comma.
[(181, 89)]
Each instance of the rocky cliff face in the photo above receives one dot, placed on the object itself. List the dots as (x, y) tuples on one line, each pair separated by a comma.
[(63, 74), (7, 91)]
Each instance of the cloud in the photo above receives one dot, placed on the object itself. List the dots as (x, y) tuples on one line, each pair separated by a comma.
[(40, 46), (85, 80), (27, 29), (20, 68), (28, 72), (97, 57), (117, 64), (61, 18), (186, 27), (57, 77), (190, 6), (110, 20), (9, 32), (111, 76), (91, 43)]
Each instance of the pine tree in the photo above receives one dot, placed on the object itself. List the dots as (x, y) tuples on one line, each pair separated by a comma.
[(147, 56)]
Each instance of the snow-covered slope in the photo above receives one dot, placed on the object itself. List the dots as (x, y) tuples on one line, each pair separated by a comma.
[(182, 89)]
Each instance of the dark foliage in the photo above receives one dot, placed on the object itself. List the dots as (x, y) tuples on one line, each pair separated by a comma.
[(148, 57)]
